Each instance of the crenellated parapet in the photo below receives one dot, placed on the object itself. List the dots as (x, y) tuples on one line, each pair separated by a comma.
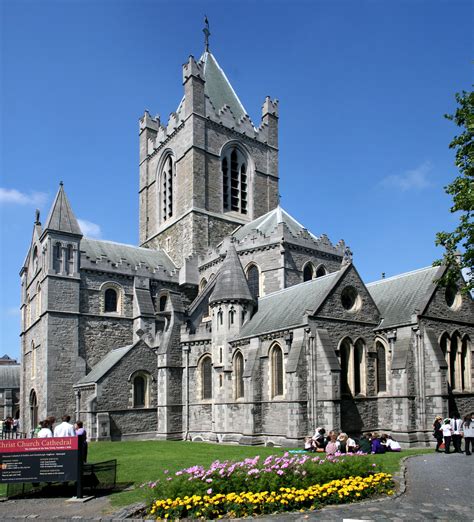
[(116, 258)]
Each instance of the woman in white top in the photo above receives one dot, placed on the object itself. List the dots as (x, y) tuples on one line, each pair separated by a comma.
[(392, 445), (468, 431), (447, 431), (45, 430)]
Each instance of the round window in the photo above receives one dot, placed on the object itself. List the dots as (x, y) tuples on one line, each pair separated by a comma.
[(350, 299), (453, 297)]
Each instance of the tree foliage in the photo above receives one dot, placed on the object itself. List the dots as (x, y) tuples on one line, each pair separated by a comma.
[(459, 244)]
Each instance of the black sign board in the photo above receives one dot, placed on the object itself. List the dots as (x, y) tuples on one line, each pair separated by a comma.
[(52, 459)]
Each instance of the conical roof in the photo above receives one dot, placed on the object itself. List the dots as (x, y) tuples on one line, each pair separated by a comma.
[(61, 217), (218, 88), (231, 283)]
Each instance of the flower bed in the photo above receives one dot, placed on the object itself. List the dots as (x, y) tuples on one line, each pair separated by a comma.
[(214, 491), (285, 499)]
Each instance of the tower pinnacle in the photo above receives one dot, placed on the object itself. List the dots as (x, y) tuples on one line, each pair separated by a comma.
[(207, 33)]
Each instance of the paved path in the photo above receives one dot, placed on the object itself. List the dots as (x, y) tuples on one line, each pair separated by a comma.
[(439, 487)]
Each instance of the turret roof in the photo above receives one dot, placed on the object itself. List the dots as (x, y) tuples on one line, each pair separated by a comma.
[(231, 283), (268, 223), (61, 217), (218, 88)]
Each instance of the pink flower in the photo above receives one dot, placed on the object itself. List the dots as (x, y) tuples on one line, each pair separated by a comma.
[(165, 471), (209, 491), (208, 481), (280, 472)]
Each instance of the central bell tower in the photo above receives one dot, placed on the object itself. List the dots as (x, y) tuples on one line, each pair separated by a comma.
[(208, 169)]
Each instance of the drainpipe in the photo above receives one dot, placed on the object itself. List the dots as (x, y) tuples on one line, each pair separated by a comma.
[(312, 388), (186, 391)]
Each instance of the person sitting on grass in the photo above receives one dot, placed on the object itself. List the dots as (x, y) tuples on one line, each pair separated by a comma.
[(352, 446), (376, 444), (342, 442), (364, 444), (391, 444), (319, 440), (332, 446)]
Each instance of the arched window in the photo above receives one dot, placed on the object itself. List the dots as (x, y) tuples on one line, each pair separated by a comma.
[(308, 272), (466, 364), (69, 260), (206, 377), (28, 311), (139, 388), (359, 367), (453, 352), (38, 301), (166, 188), (163, 301), (253, 279), (110, 300), (239, 375), (35, 260), (234, 181), (345, 358), (381, 367), (33, 410), (202, 284), (276, 369), (321, 271), (57, 257), (232, 315), (220, 318)]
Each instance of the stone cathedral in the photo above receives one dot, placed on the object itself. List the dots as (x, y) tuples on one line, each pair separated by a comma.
[(230, 322)]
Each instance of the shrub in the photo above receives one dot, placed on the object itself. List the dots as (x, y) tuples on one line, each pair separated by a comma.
[(283, 499), (254, 475)]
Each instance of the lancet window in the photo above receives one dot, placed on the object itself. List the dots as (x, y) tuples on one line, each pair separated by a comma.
[(235, 181)]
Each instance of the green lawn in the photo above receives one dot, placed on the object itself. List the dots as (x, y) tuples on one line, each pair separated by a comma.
[(139, 462), (144, 461)]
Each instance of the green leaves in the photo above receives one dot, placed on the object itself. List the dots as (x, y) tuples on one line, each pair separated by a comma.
[(459, 244)]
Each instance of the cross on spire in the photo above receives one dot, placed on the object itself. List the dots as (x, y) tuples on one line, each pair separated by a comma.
[(207, 33)]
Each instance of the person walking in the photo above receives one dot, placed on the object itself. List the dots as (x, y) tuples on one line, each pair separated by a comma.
[(437, 432), (468, 431), (456, 424), (447, 432)]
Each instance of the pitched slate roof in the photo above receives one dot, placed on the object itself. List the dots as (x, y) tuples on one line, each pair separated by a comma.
[(105, 365), (401, 296), (120, 253), (287, 307), (61, 217), (231, 282), (10, 376), (218, 88), (268, 223)]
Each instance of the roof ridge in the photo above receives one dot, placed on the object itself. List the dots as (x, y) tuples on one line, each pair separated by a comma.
[(399, 276), (299, 285), (123, 244)]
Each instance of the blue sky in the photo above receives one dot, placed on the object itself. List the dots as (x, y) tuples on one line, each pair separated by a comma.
[(363, 86)]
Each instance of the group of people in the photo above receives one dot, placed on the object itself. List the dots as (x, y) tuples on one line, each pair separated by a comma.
[(453, 431), (335, 442), (9, 424), (47, 428)]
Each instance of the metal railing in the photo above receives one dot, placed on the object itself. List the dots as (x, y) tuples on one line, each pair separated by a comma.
[(10, 434)]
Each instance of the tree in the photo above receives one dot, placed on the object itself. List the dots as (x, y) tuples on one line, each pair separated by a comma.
[(459, 244)]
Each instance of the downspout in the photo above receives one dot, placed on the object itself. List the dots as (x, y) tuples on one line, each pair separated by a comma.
[(186, 391)]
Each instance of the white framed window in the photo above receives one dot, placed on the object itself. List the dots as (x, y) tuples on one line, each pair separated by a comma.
[(205, 370), (111, 298), (276, 371), (140, 389), (238, 375)]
